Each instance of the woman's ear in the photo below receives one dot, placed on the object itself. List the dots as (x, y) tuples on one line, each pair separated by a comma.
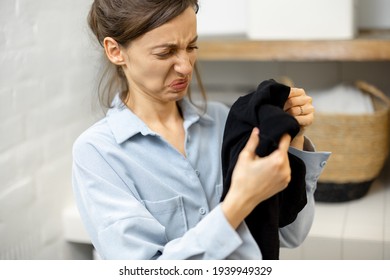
[(113, 51)]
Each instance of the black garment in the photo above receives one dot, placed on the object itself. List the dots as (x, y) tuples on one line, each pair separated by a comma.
[(263, 108)]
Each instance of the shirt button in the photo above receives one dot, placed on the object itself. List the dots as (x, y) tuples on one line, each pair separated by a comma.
[(197, 173), (323, 164), (202, 211)]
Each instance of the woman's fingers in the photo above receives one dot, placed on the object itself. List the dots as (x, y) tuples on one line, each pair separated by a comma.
[(284, 143), (299, 105), (251, 145)]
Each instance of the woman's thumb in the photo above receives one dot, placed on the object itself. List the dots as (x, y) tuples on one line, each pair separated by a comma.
[(253, 142)]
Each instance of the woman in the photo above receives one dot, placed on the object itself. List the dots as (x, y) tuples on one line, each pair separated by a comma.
[(147, 178)]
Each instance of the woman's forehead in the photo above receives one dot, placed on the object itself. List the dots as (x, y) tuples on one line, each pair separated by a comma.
[(180, 30)]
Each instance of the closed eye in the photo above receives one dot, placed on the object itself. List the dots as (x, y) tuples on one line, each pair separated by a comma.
[(192, 48), (166, 54), (168, 50)]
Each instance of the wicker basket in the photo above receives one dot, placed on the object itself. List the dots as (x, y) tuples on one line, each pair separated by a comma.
[(359, 146)]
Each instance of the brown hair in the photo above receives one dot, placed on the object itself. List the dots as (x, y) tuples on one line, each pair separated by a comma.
[(124, 21)]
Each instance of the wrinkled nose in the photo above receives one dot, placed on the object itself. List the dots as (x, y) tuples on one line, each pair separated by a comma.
[(183, 65)]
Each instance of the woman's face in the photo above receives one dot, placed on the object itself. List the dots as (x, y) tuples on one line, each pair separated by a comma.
[(159, 64)]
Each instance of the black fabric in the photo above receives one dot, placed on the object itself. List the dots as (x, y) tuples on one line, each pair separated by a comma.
[(263, 108)]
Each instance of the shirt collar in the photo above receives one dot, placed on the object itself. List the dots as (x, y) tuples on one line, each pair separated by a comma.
[(124, 124)]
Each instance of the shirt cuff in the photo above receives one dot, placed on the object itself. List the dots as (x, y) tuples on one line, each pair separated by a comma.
[(314, 161)]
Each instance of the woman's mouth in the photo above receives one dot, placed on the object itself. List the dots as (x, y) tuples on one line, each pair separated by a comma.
[(179, 85)]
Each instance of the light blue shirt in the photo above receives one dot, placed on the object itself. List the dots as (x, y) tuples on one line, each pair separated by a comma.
[(139, 198)]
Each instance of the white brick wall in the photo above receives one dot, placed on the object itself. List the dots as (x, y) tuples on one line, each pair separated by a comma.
[(46, 81)]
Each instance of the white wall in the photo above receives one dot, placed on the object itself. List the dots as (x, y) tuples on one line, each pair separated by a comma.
[(373, 14), (46, 73)]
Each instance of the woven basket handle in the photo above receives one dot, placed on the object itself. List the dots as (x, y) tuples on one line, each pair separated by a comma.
[(368, 88), (362, 85)]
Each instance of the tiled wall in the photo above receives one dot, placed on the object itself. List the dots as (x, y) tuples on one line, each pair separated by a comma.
[(47, 76)]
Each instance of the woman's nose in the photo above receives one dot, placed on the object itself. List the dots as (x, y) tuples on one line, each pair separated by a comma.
[(183, 65)]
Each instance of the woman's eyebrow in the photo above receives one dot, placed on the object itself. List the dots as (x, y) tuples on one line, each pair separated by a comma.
[(194, 40), (171, 45)]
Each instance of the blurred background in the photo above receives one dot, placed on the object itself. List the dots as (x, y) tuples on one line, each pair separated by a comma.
[(48, 80)]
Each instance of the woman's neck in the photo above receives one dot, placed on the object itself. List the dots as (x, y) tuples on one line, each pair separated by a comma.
[(163, 118), (154, 111)]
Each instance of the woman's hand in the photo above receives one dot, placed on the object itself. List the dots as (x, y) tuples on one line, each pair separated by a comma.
[(256, 179), (300, 106)]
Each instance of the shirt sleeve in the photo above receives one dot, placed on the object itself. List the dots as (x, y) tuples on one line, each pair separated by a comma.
[(121, 227), (295, 233)]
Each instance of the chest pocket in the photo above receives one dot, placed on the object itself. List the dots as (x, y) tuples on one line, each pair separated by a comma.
[(169, 213)]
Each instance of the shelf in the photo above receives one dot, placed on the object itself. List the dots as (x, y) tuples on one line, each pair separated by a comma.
[(367, 46)]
